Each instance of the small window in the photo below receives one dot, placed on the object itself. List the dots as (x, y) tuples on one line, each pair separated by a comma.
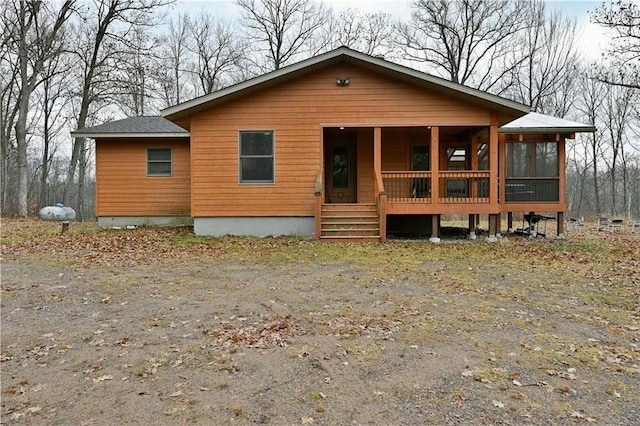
[(256, 157), (158, 161)]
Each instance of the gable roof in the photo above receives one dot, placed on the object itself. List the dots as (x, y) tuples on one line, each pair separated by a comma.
[(540, 123), (344, 54), (134, 127)]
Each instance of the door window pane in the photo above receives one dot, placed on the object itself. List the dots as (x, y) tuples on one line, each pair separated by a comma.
[(340, 167)]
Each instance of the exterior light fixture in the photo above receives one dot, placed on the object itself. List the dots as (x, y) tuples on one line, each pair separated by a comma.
[(342, 81)]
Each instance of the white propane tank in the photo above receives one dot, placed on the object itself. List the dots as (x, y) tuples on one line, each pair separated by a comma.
[(58, 213)]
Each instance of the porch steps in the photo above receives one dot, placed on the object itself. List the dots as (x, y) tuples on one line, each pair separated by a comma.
[(350, 223)]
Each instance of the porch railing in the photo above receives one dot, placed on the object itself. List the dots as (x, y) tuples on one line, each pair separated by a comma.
[(532, 189), (407, 186), (470, 187)]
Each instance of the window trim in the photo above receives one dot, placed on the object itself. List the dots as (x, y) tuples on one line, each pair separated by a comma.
[(170, 161), (272, 156)]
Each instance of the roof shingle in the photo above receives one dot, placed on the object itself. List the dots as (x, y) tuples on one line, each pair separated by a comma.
[(134, 127)]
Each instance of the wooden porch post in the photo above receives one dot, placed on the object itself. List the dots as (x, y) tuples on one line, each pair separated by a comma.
[(502, 173), (472, 226), (435, 228), (319, 193), (435, 165), (474, 165), (492, 228), (493, 159), (562, 174), (510, 221), (560, 226), (380, 195), (377, 150)]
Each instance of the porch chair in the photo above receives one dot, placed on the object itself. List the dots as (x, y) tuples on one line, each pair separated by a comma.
[(615, 225), (633, 224), (603, 223), (575, 222)]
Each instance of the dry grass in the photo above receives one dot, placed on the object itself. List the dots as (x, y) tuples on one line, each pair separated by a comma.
[(99, 323)]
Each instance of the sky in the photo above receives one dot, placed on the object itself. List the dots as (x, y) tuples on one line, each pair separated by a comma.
[(592, 38)]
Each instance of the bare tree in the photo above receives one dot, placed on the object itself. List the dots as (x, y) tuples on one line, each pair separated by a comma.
[(54, 97), (466, 41), (8, 112), (137, 79), (175, 54), (35, 34), (592, 95), (545, 78), (217, 51), (622, 67), (282, 30), (616, 115), (102, 37), (370, 33)]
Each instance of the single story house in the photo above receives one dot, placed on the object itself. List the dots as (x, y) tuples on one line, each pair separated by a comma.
[(341, 146)]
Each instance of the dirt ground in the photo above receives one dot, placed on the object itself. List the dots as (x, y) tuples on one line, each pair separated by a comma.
[(159, 327)]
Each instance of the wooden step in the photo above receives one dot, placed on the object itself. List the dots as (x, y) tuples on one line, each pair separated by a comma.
[(350, 223), (350, 239), (347, 223)]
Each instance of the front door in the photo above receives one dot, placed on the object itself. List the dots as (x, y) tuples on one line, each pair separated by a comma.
[(340, 167)]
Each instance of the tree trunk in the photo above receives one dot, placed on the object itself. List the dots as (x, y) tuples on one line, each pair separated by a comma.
[(21, 139), (44, 171), (594, 153), (26, 87)]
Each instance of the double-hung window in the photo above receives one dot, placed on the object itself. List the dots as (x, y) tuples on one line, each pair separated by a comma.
[(159, 162), (256, 162)]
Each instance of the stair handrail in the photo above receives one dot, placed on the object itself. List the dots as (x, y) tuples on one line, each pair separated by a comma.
[(318, 206), (319, 183)]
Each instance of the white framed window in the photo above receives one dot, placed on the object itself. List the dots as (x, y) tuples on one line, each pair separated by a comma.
[(159, 162), (256, 160)]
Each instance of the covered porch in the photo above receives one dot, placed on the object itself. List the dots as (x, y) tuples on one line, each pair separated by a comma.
[(409, 170), (370, 173)]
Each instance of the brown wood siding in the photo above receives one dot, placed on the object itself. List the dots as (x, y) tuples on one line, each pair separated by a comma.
[(123, 187), (296, 111), (395, 149)]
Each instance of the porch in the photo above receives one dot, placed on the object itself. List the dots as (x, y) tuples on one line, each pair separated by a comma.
[(369, 173)]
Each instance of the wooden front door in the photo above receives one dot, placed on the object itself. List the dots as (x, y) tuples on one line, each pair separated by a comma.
[(340, 167)]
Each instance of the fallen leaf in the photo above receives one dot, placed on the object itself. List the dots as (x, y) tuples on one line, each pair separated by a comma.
[(467, 373), (517, 383), (498, 404), (176, 394), (103, 378), (577, 415), (306, 420)]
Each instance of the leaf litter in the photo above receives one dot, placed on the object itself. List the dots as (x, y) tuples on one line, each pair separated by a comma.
[(288, 331)]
